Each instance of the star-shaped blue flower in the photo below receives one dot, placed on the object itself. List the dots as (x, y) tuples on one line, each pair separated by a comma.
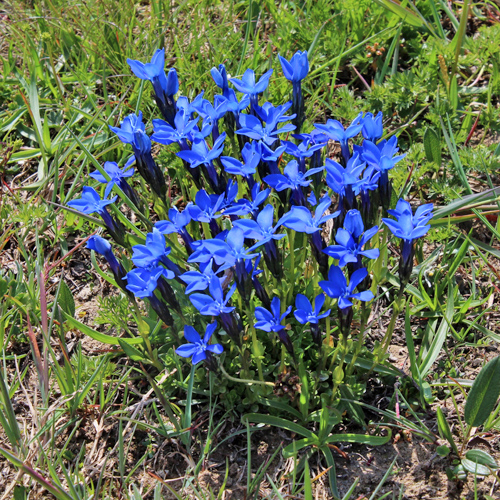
[(271, 321), (197, 348), (337, 288)]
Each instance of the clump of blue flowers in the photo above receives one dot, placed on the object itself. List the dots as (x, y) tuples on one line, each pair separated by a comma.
[(271, 245)]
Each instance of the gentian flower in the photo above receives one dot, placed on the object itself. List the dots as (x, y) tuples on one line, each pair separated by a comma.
[(215, 303), (201, 155), (251, 155), (381, 156), (305, 313), (292, 179), (300, 219), (295, 71), (274, 114), (262, 228), (334, 130), (103, 247), (207, 209), (143, 283), (90, 203), (271, 321), (343, 180), (248, 86), (244, 206), (251, 126), (116, 176), (177, 224), (199, 281), (337, 288), (197, 348), (133, 131), (165, 87), (409, 228), (372, 127), (164, 133), (211, 114), (302, 151), (154, 252), (351, 240), (220, 78)]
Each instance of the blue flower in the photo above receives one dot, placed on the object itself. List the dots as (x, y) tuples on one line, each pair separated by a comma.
[(220, 78), (200, 154), (155, 73), (334, 130), (300, 219), (271, 321), (251, 154), (153, 252), (292, 178), (133, 131), (165, 87), (143, 282), (408, 227), (177, 223), (215, 303), (272, 115), (252, 127), (351, 240), (247, 84), (164, 133), (103, 247), (337, 288), (198, 281), (197, 348), (305, 313), (372, 126), (206, 207), (261, 229), (91, 202), (381, 155), (116, 176), (244, 206), (297, 68), (343, 180)]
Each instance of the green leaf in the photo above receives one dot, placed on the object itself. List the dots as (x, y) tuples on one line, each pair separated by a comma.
[(404, 13), (279, 422), (443, 451), (454, 92), (432, 146), (359, 438), (484, 394), (66, 300), (93, 334), (293, 448), (444, 429), (482, 457), (133, 353), (308, 494)]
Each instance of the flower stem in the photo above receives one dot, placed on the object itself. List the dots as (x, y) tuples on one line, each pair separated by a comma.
[(243, 380)]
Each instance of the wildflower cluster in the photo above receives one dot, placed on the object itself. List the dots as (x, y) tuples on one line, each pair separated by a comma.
[(288, 227)]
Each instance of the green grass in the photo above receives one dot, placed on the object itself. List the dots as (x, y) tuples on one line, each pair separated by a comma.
[(64, 79)]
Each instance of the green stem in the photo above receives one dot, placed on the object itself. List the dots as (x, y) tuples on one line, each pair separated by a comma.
[(398, 306), (243, 380)]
